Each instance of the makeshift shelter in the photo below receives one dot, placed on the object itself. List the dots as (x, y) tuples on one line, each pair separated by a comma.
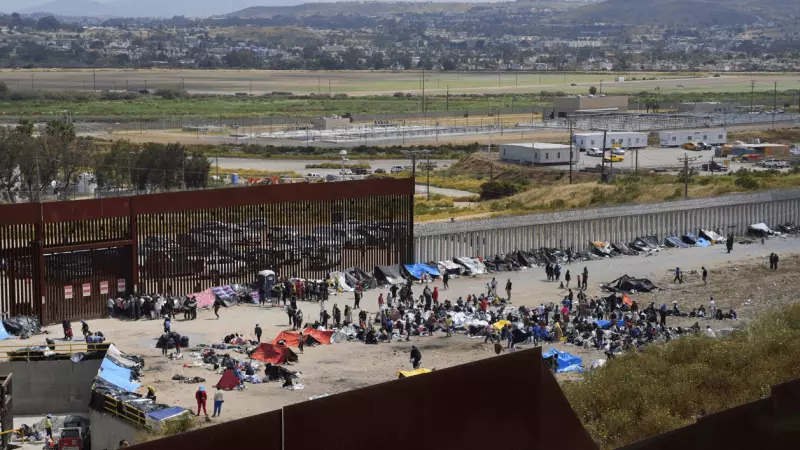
[(759, 230), (341, 281), (602, 248), (624, 249), (450, 267), (290, 339), (566, 361), (323, 337), (276, 373), (673, 241), (389, 274), (355, 275), (275, 354), (645, 243), (471, 266), (205, 299), (226, 294), (411, 373), (630, 284), (3, 333), (22, 325), (713, 237), (229, 381), (415, 271), (692, 239)]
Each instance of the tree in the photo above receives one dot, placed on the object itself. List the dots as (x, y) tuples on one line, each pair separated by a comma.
[(241, 59), (592, 90), (499, 189), (448, 64), (113, 168), (25, 127), (48, 23), (11, 155)]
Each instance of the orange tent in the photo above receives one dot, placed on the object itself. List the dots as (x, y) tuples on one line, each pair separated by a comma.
[(290, 338), (626, 300), (323, 337), (275, 354)]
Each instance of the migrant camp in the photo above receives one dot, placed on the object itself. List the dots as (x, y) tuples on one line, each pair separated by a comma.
[(275, 354), (229, 381), (630, 284)]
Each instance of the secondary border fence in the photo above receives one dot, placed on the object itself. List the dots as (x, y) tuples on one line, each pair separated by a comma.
[(577, 228), (65, 259)]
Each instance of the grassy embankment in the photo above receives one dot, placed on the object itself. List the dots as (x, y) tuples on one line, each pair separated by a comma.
[(668, 385)]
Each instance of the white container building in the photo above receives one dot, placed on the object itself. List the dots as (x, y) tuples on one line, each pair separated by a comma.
[(677, 138), (614, 139), (538, 153)]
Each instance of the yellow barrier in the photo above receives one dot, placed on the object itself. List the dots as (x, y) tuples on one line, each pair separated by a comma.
[(123, 411)]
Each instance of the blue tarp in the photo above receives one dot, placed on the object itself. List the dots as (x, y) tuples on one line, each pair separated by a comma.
[(3, 333), (673, 241), (604, 324), (416, 270), (166, 413), (566, 362), (118, 376), (223, 292)]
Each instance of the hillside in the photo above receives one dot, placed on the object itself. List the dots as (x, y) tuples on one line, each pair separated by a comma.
[(687, 12), (306, 9)]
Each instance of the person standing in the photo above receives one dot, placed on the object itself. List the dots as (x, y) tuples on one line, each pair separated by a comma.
[(585, 277), (258, 333), (494, 286), (380, 301), (48, 426), (705, 275), (217, 304), (449, 324), (416, 357), (508, 289), (218, 399), (662, 312), (712, 308), (357, 304), (446, 280), (435, 295), (201, 396), (110, 306), (567, 277), (678, 277), (729, 243), (393, 291)]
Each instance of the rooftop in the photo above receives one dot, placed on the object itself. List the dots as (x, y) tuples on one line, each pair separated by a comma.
[(540, 145)]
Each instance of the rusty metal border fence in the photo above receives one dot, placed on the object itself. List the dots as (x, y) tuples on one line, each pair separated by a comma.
[(65, 259)]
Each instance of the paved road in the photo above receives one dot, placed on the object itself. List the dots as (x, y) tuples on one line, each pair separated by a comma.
[(299, 165)]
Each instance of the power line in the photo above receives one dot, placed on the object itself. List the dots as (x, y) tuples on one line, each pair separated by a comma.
[(686, 160)]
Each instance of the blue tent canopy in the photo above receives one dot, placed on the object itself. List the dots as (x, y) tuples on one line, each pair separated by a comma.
[(117, 375), (604, 324), (416, 270), (163, 414), (3, 333), (566, 362)]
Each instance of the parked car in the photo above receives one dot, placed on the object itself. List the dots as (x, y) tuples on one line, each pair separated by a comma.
[(158, 242), (380, 171), (229, 232), (680, 85), (282, 233), (361, 171), (690, 146), (713, 167), (223, 266), (774, 163), (396, 169), (614, 158), (618, 151), (594, 151)]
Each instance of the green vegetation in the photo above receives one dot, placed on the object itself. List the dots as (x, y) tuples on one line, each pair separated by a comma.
[(333, 165), (181, 424), (666, 386)]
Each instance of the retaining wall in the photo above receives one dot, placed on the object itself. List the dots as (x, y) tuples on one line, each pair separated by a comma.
[(108, 431), (51, 387), (576, 228)]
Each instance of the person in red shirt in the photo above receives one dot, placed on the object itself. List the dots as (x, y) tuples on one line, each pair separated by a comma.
[(436, 295), (484, 305), (201, 396), (380, 301)]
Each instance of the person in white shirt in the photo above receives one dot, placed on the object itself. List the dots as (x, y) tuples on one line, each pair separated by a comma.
[(218, 399), (710, 332), (712, 308)]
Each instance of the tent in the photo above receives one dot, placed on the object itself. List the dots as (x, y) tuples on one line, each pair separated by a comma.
[(389, 275), (673, 241), (411, 373), (229, 381), (323, 337), (645, 243), (471, 266), (566, 362), (759, 230), (602, 248), (274, 373), (624, 249), (354, 275), (275, 354), (692, 239), (712, 236), (290, 338), (120, 377), (415, 271), (450, 267), (630, 284), (3, 333)]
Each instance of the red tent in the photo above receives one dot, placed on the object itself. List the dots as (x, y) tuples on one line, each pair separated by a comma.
[(274, 354), (323, 337), (228, 382), (290, 338)]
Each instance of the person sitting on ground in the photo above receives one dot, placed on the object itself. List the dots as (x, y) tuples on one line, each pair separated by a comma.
[(733, 315), (675, 311), (701, 311), (720, 315)]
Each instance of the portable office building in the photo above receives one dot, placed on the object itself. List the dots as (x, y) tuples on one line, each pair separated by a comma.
[(677, 138), (613, 139)]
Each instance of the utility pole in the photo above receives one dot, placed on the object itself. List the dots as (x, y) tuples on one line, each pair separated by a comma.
[(447, 99), (94, 80), (428, 182), (774, 103), (571, 138), (414, 154), (601, 87), (251, 88), (752, 91), (127, 87), (603, 158), (686, 160)]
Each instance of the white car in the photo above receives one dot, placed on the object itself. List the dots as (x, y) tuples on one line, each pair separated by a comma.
[(396, 169), (594, 151), (618, 151), (773, 163)]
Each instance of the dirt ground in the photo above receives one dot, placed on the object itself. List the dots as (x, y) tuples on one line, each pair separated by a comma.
[(740, 280)]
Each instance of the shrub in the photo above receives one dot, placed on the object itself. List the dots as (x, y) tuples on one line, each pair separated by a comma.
[(498, 189)]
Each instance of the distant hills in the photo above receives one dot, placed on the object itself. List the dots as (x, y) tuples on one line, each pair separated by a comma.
[(139, 8), (688, 12)]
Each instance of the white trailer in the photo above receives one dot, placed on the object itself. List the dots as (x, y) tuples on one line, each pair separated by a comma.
[(673, 138), (613, 139)]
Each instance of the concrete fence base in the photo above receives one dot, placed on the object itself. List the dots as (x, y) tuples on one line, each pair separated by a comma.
[(575, 229)]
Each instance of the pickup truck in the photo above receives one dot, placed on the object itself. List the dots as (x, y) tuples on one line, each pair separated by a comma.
[(714, 167), (773, 163)]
